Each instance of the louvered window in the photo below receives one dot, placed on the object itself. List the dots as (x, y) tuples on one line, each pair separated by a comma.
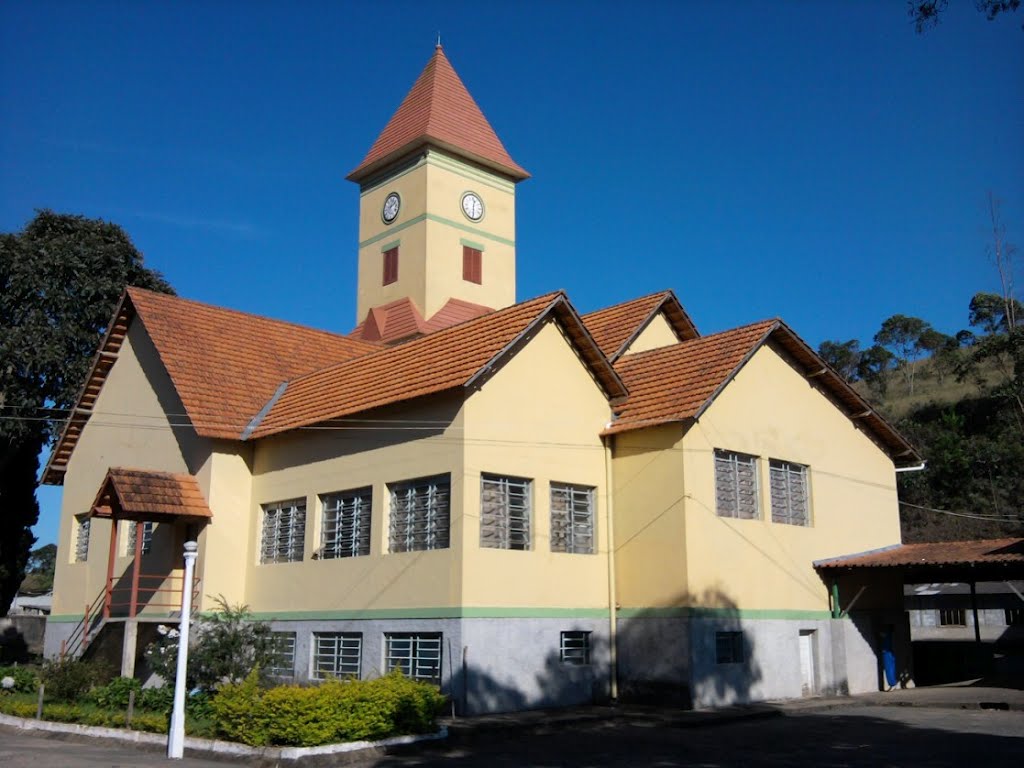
[(346, 524), (572, 518), (337, 654), (736, 485), (390, 266), (284, 532), (282, 663), (147, 537), (472, 265), (504, 512), (420, 514), (82, 539), (789, 492), (418, 655)]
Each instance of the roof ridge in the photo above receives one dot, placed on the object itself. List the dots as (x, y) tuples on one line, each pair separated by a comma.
[(711, 337), (662, 294)]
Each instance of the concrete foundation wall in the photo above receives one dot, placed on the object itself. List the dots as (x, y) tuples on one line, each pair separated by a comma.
[(21, 636)]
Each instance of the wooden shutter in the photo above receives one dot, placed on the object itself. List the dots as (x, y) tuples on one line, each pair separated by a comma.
[(390, 266), (472, 265)]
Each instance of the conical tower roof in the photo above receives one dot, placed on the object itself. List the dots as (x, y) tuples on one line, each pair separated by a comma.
[(439, 111)]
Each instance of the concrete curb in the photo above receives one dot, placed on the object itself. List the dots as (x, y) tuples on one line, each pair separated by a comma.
[(196, 747)]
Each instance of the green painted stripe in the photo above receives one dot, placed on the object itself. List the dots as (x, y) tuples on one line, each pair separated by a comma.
[(436, 613), (392, 231), (74, 618), (389, 246), (468, 172), (471, 244), (64, 618), (722, 613), (377, 180)]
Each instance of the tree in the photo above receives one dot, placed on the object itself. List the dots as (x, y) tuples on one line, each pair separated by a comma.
[(60, 280), (42, 563), (944, 351), (901, 335), (873, 367), (844, 356), (925, 13)]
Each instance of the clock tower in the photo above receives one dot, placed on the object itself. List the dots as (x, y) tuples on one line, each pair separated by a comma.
[(436, 213)]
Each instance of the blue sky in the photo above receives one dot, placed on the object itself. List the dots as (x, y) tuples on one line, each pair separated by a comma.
[(817, 161)]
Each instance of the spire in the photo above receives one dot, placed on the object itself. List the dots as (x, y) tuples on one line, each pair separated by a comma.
[(438, 110)]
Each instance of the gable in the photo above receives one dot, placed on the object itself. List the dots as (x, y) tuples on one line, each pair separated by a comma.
[(657, 333)]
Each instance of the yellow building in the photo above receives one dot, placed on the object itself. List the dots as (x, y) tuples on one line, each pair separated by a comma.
[(528, 506)]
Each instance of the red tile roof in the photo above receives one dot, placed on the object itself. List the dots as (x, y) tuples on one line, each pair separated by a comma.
[(438, 110), (615, 328), (677, 383), (674, 383), (140, 494), (224, 364), (400, 319), (1007, 551), (445, 360)]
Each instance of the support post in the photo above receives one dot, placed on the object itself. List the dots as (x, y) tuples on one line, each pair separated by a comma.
[(176, 733), (836, 611), (109, 588), (136, 570), (974, 611)]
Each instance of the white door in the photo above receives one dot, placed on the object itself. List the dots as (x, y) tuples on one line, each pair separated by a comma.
[(808, 683)]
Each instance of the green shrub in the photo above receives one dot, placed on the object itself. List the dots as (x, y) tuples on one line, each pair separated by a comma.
[(156, 699), (17, 707), (349, 710), (115, 694), (70, 680), (24, 678)]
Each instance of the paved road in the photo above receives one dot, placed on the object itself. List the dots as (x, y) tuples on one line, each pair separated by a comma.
[(852, 737)]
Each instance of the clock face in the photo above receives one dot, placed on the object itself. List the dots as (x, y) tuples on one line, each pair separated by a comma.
[(472, 206), (391, 205)]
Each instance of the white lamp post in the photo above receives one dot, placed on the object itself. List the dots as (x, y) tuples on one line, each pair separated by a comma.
[(176, 735)]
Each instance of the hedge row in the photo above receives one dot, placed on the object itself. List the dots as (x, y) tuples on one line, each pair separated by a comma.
[(337, 711)]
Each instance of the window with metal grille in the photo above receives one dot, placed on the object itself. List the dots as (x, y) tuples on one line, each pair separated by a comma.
[(147, 537), (572, 518), (472, 265), (82, 539), (736, 485), (789, 492), (1014, 616), (337, 654), (417, 654), (282, 663), (346, 524), (575, 648), (504, 512), (284, 531), (390, 266), (728, 647), (952, 617), (420, 514)]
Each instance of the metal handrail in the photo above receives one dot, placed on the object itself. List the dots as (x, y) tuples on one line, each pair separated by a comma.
[(79, 637)]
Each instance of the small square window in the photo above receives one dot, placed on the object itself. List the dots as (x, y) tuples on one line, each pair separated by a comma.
[(728, 647), (417, 654), (147, 537), (284, 531), (283, 663), (337, 654), (575, 648)]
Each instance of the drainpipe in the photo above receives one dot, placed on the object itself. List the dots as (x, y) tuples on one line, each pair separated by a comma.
[(836, 611), (917, 468), (613, 641)]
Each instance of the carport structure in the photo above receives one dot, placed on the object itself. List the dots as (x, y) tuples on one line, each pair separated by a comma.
[(951, 562)]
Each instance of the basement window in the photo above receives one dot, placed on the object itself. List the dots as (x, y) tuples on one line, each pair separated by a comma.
[(337, 654), (505, 512), (346, 524), (417, 654), (282, 663), (789, 492), (572, 518), (736, 488), (952, 617), (1014, 616), (284, 531), (420, 514), (82, 538), (728, 647), (575, 648)]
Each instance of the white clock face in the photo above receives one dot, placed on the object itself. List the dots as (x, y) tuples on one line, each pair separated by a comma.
[(391, 205), (472, 206)]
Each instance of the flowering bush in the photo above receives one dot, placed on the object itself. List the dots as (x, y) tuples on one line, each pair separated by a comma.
[(22, 680), (224, 647)]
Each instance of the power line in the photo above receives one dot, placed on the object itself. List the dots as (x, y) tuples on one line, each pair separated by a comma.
[(1009, 518)]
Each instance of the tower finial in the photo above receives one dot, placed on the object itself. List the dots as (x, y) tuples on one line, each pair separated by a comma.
[(438, 39)]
